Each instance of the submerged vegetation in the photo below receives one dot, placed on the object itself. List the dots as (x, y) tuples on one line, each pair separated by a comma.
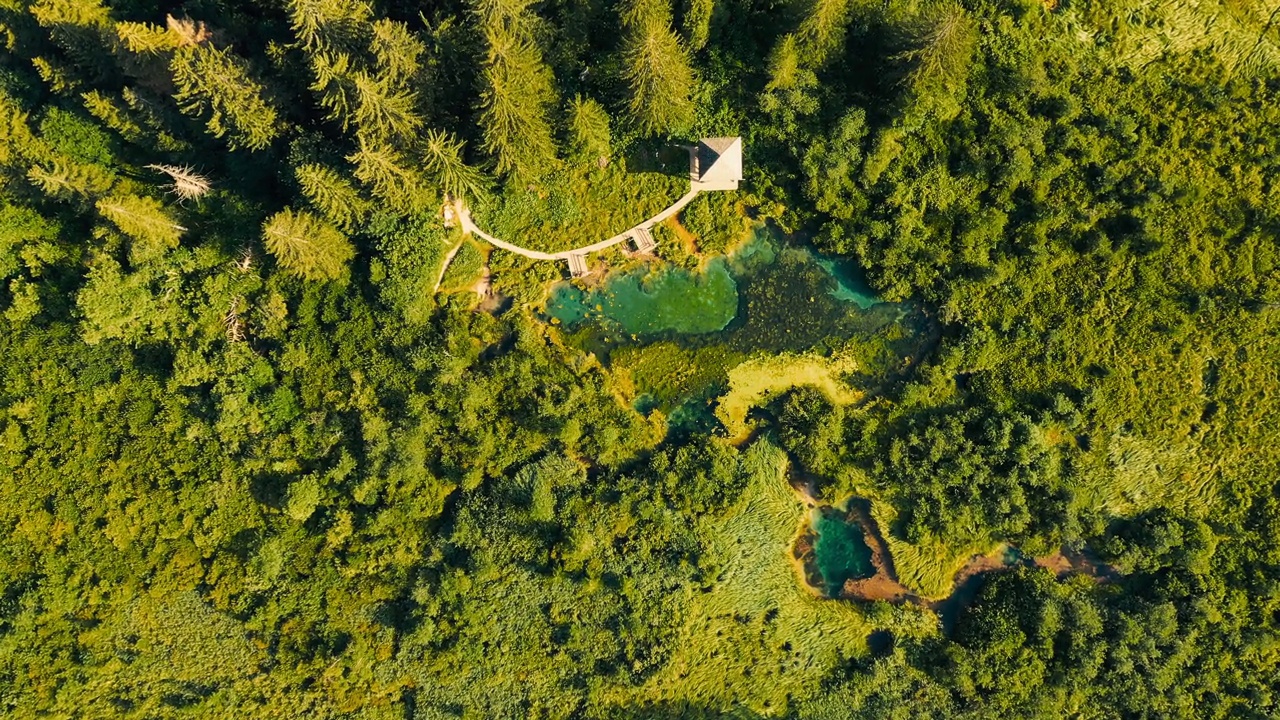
[(1001, 273)]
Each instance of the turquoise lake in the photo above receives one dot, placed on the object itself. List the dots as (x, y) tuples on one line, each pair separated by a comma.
[(679, 331), (667, 299)]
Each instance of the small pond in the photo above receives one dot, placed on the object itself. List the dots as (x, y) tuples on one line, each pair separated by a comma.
[(840, 551)]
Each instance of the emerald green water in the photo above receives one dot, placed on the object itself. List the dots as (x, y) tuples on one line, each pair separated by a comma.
[(841, 551), (679, 331), (644, 302)]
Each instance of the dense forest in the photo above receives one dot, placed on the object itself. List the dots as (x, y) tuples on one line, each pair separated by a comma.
[(262, 454)]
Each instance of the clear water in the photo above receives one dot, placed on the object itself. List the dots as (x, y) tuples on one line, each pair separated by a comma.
[(841, 551), (680, 331), (651, 301), (646, 301)]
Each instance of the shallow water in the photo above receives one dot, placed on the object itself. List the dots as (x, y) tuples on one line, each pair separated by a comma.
[(646, 301), (841, 551), (679, 332)]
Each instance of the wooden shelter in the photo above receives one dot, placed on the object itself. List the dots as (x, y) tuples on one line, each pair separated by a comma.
[(716, 163)]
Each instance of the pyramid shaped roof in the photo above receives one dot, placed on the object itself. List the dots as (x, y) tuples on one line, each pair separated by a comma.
[(720, 160)]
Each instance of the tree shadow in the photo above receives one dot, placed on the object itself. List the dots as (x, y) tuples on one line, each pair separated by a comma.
[(666, 157)]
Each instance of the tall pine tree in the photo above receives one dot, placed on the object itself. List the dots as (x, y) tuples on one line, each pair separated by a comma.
[(516, 90), (306, 245), (657, 69)]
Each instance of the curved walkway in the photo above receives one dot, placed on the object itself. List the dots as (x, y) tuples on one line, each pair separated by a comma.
[(464, 216)]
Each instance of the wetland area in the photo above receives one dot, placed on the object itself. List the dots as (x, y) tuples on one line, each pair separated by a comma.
[(769, 310)]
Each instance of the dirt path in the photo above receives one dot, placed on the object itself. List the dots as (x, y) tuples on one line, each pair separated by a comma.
[(445, 265)]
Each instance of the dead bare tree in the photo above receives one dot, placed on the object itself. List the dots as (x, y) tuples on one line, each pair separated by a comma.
[(187, 183)]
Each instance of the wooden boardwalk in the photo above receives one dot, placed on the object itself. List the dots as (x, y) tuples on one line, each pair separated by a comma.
[(577, 257), (721, 171)]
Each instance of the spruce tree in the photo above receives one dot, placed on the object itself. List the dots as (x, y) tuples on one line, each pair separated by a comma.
[(588, 129), (216, 84), (306, 245), (383, 169), (442, 159), (396, 52), (789, 92), (697, 23), (329, 25), (516, 91), (332, 195), (656, 68), (64, 179), (144, 220), (383, 112), (821, 33)]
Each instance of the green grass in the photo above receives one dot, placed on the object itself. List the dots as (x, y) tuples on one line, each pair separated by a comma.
[(758, 639), (928, 569), (578, 205), (756, 381), (464, 269)]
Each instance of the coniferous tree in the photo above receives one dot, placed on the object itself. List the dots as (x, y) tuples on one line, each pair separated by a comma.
[(442, 159), (516, 91), (306, 245), (383, 112), (697, 23), (789, 92), (144, 220), (383, 169), (64, 179), (334, 82), (216, 84), (588, 129), (332, 195), (821, 33), (396, 52), (329, 25), (943, 41), (185, 182), (656, 68)]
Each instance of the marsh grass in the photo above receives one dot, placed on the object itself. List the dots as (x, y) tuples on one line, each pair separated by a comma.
[(758, 639)]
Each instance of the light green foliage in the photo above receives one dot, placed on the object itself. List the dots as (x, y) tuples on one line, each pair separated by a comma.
[(656, 69), (230, 492), (393, 181), (307, 246), (147, 39), (831, 167), (331, 194), (792, 85), (68, 180), (717, 223), (697, 23), (942, 43), (145, 221), (324, 24), (517, 90), (215, 84), (1241, 34), (442, 159), (820, 36), (464, 269), (577, 205), (589, 130), (407, 264), (381, 111)]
